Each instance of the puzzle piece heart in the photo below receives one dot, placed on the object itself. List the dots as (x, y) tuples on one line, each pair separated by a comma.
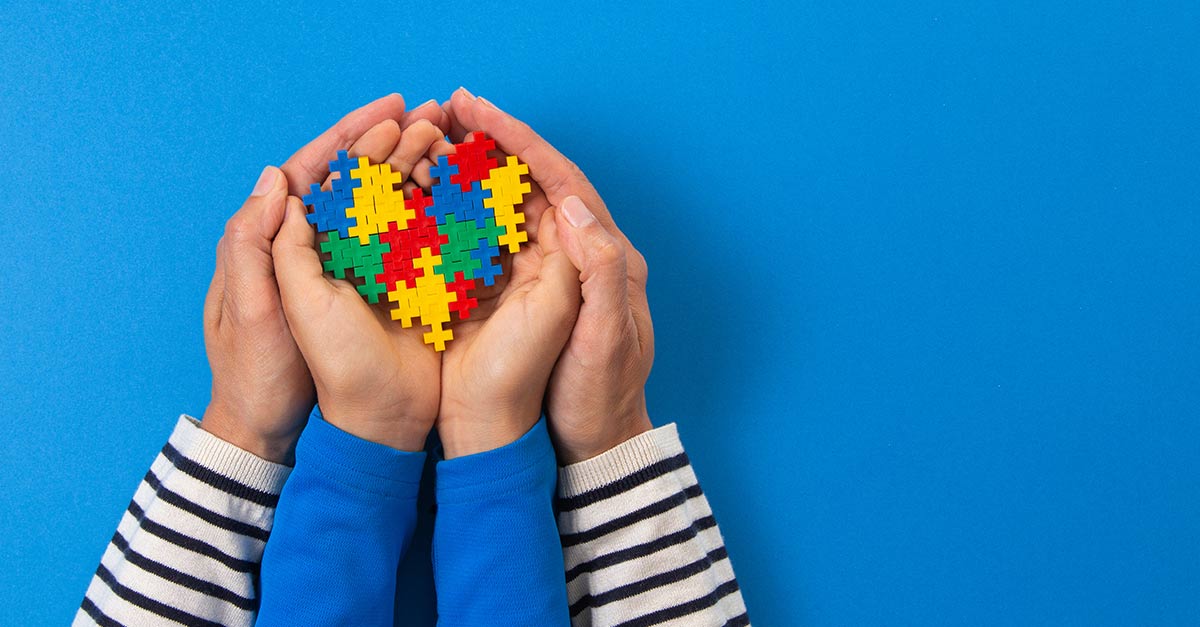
[(426, 252)]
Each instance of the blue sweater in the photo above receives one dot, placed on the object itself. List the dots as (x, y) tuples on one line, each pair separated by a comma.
[(346, 517)]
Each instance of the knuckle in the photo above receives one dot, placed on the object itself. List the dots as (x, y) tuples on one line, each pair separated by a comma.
[(238, 231), (608, 252), (575, 173), (340, 137), (638, 268), (426, 130)]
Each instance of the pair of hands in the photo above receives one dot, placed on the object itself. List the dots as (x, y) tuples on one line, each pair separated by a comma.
[(567, 328)]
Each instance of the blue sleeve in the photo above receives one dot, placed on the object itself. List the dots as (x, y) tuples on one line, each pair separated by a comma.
[(497, 559), (344, 519)]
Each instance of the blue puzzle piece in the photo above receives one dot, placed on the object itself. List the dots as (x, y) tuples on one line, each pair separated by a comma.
[(329, 207), (473, 208), (445, 206), (442, 172), (342, 165), (447, 197), (486, 255), (344, 185), (327, 212)]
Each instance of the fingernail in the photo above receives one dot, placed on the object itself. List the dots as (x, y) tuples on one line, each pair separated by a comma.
[(467, 93), (488, 103), (266, 181), (431, 101), (575, 211)]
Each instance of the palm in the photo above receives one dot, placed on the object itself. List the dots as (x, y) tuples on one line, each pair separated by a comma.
[(376, 354), (496, 332), (495, 370)]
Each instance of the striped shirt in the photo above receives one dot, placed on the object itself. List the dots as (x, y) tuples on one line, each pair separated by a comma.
[(640, 544)]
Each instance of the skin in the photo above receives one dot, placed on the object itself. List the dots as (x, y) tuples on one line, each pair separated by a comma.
[(379, 381), (596, 397), (374, 378), (566, 329), (262, 389), (495, 372)]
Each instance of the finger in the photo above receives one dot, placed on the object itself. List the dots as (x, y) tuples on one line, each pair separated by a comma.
[(440, 148), (376, 144), (413, 145), (429, 111), (555, 174), (216, 289), (420, 171), (302, 283), (444, 121), (600, 259), (249, 275), (556, 294), (310, 164), (456, 132)]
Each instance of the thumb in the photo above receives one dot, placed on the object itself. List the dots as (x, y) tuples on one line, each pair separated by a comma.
[(248, 275), (600, 259), (297, 263), (555, 296)]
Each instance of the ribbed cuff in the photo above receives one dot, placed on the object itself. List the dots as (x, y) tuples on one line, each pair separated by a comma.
[(228, 460), (498, 471), (357, 463), (620, 461)]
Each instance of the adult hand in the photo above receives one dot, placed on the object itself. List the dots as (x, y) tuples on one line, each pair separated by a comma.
[(374, 378), (262, 391), (596, 397), (495, 371)]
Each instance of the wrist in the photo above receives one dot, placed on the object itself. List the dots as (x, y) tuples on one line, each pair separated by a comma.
[(462, 437), (402, 433), (240, 432), (573, 452)]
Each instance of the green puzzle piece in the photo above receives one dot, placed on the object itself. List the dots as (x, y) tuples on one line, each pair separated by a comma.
[(462, 238), (366, 262)]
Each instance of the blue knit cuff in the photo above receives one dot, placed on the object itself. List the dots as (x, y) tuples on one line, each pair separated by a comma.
[(357, 463), (521, 465)]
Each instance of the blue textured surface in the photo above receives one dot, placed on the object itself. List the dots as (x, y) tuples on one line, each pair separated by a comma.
[(971, 398)]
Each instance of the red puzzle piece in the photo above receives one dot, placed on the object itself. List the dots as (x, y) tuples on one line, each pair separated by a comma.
[(472, 160), (462, 304)]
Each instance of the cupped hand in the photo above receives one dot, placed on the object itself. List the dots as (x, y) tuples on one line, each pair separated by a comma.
[(495, 371), (262, 390), (374, 378), (596, 397)]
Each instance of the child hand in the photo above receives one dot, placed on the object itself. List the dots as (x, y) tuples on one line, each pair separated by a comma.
[(261, 390), (495, 371), (374, 378), (596, 397)]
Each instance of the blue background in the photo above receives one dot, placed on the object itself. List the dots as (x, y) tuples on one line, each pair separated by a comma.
[(925, 277)]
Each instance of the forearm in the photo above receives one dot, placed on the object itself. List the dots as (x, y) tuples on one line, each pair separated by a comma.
[(187, 549), (344, 520), (497, 560), (640, 542)]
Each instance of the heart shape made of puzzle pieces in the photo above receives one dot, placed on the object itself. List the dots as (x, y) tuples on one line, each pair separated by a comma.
[(425, 252)]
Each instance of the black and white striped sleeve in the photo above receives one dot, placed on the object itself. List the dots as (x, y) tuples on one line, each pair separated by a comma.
[(188, 548), (640, 542)]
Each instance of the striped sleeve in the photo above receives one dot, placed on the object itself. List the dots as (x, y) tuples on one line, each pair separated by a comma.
[(640, 544), (188, 548)]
